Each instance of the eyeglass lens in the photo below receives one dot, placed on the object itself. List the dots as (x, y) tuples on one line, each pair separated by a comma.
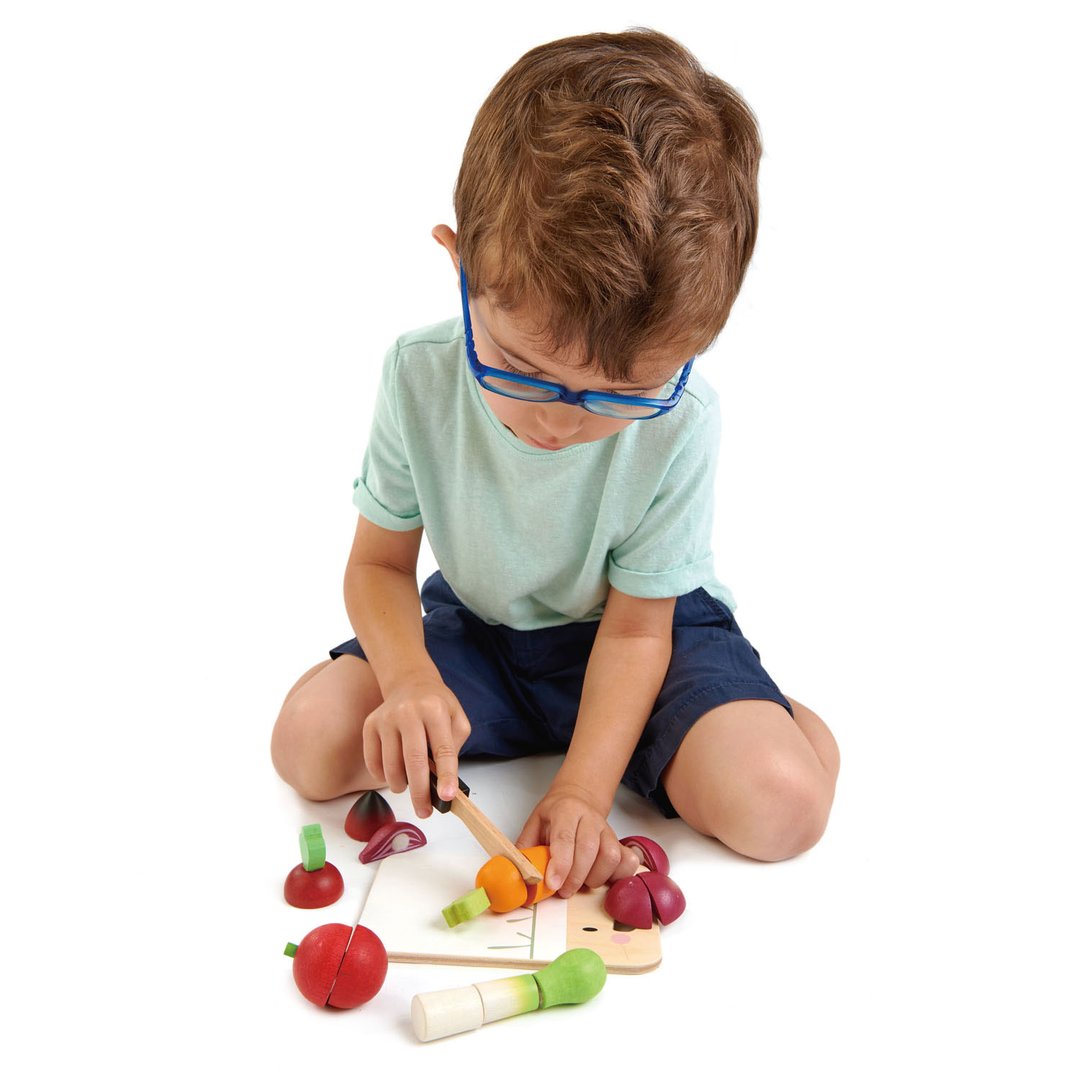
[(523, 392)]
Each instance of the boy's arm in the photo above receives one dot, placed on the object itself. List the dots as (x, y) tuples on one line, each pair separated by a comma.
[(626, 669), (418, 710)]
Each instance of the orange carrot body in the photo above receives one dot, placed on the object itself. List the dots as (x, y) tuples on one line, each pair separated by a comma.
[(503, 884)]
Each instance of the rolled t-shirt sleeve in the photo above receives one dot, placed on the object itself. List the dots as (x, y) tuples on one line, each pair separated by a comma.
[(384, 492), (670, 551)]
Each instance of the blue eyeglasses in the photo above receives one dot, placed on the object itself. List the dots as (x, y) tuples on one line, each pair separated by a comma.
[(525, 388)]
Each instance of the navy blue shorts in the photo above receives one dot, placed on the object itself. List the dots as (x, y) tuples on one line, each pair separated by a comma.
[(521, 689)]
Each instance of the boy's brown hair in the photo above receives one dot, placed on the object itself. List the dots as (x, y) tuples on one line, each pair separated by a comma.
[(609, 189)]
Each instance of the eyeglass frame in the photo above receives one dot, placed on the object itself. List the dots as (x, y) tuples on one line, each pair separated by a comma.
[(562, 393)]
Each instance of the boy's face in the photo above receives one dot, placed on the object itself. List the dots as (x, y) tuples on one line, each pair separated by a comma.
[(503, 340)]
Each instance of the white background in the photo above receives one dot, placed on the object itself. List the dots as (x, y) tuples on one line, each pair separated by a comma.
[(215, 218)]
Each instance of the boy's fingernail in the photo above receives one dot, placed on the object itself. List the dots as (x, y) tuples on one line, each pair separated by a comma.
[(554, 881)]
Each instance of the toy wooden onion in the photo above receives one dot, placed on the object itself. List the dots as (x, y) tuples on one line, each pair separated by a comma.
[(339, 966), (637, 900), (667, 898), (392, 839), (628, 901), (368, 814), (651, 853)]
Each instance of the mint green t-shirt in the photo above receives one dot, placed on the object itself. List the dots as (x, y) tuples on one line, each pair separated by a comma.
[(533, 538)]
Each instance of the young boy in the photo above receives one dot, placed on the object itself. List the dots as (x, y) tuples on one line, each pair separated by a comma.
[(559, 452)]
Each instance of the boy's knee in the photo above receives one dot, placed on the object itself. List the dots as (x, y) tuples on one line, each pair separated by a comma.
[(291, 750), (782, 812)]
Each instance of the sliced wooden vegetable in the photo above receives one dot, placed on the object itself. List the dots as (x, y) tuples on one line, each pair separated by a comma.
[(362, 972), (628, 901), (314, 883), (368, 814), (466, 907), (312, 847), (652, 855), (667, 898), (338, 965), (392, 839), (499, 878), (314, 888)]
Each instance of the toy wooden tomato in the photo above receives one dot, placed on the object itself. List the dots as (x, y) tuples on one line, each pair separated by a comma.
[(362, 971), (338, 965)]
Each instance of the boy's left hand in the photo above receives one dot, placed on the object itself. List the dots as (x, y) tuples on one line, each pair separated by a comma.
[(584, 848)]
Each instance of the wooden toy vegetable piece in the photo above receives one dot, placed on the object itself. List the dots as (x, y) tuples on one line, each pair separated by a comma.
[(392, 839), (369, 813), (314, 883), (506, 890), (338, 965), (574, 977), (667, 898), (312, 847), (629, 902), (362, 972), (466, 907), (314, 888), (652, 854), (637, 900)]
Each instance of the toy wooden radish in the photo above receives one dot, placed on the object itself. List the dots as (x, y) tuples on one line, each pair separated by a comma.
[(314, 882), (574, 977)]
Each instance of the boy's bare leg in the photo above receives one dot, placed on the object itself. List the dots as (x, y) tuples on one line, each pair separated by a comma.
[(318, 742), (754, 778)]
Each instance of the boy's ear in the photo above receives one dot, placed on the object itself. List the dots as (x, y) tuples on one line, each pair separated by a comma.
[(446, 236)]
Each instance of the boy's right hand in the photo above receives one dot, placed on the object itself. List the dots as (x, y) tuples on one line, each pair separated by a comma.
[(418, 718)]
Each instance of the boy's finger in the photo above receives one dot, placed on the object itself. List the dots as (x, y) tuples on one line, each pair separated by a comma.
[(373, 753), (530, 833), (393, 766), (608, 862), (629, 864), (585, 849), (460, 728), (444, 754), (416, 768), (561, 843)]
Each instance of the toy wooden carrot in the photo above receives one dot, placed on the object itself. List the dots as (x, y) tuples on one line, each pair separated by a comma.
[(507, 888)]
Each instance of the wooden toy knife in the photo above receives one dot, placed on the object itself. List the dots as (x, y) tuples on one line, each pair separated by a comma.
[(477, 822)]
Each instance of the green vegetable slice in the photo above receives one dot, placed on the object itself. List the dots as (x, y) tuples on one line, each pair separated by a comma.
[(466, 907), (312, 847)]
